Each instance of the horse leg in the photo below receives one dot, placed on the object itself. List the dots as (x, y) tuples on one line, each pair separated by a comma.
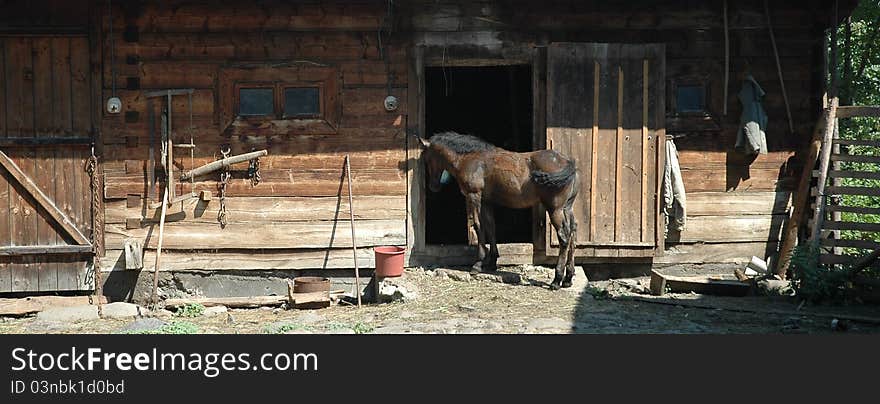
[(572, 243), (488, 226), (474, 205), (557, 219)]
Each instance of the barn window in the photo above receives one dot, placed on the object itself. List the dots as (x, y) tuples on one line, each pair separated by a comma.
[(279, 100), (690, 98), (302, 102), (256, 101)]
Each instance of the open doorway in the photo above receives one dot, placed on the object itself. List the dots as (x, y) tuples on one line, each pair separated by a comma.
[(495, 104)]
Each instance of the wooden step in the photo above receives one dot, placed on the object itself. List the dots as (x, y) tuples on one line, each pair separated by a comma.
[(855, 158), (833, 225), (868, 191), (853, 209), (857, 142), (862, 244), (868, 175), (852, 111)]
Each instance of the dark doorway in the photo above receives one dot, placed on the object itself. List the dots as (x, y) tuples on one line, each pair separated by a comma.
[(495, 104)]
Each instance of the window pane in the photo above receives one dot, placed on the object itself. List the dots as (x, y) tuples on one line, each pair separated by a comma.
[(690, 98), (301, 101), (256, 101)]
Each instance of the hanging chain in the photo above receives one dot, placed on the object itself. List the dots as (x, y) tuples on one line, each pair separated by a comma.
[(224, 179), (254, 171), (92, 169)]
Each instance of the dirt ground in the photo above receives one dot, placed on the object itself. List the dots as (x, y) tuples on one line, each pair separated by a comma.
[(515, 301)]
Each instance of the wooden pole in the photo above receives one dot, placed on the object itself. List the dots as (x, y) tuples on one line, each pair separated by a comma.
[(824, 160), (799, 201), (726, 57), (155, 295), (357, 274), (779, 67)]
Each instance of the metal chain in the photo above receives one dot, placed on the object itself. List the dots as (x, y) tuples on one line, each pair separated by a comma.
[(224, 180), (254, 171), (92, 169)]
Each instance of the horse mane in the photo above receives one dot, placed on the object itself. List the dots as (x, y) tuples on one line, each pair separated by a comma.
[(461, 143)]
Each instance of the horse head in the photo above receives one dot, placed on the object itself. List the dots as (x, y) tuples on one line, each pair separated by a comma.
[(434, 162)]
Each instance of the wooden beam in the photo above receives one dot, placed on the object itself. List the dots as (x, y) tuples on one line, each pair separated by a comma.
[(42, 200), (35, 304), (698, 284), (45, 249), (824, 161), (850, 111), (238, 302)]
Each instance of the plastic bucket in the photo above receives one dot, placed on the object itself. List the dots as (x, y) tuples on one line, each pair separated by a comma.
[(389, 261)]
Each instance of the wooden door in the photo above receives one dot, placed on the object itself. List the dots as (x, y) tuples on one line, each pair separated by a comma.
[(605, 109), (45, 194)]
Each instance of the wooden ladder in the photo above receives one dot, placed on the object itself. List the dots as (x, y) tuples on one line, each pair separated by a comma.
[(825, 232)]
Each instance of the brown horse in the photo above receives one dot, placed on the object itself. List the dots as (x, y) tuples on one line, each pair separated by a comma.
[(488, 175)]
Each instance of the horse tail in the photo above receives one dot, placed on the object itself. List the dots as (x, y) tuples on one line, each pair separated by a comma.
[(555, 180)]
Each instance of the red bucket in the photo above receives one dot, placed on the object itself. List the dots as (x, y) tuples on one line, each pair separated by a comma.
[(389, 261)]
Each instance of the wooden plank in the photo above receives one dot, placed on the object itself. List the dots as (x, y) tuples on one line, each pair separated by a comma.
[(870, 175), (43, 88), (262, 236), (265, 209), (857, 142), (699, 284), (607, 159), (632, 152), (850, 111), (618, 155), (853, 158), (853, 209), (5, 226), (832, 225), (34, 192), (4, 74), (715, 253), (594, 150), (236, 302), (737, 203), (869, 191), (831, 259), (45, 249), (36, 304), (251, 260), (19, 91), (657, 116), (862, 244), (46, 234), (81, 95), (62, 115), (645, 141), (732, 228)]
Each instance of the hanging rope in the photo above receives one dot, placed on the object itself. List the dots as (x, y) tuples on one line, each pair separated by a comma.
[(224, 180), (91, 168)]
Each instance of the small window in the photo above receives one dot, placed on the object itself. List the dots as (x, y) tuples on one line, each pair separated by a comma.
[(302, 102), (256, 101), (690, 98)]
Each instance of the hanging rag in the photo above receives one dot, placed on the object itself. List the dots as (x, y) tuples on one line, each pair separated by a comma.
[(751, 138), (674, 199)]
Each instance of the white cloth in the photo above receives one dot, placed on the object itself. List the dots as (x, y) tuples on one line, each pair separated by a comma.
[(674, 199)]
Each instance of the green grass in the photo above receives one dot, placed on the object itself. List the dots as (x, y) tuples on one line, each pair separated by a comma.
[(174, 327), (190, 310), (285, 328)]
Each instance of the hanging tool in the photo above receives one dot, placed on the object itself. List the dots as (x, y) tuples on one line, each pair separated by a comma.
[(357, 275)]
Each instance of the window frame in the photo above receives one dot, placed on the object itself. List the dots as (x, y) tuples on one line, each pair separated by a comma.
[(327, 79), (254, 85)]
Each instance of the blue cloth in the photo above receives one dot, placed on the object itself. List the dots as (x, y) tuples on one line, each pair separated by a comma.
[(445, 177), (751, 138)]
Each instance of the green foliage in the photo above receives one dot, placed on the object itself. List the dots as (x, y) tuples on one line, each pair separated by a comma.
[(814, 281), (285, 328), (361, 328), (190, 310)]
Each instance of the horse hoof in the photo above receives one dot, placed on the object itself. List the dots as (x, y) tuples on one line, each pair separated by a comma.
[(554, 286), (566, 284), (477, 268)]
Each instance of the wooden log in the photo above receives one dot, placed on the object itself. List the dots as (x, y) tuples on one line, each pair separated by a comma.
[(45, 249), (35, 304), (789, 236), (134, 254), (236, 302), (698, 284), (222, 163)]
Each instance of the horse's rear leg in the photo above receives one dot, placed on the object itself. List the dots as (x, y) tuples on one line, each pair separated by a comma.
[(559, 222), (474, 205), (572, 243)]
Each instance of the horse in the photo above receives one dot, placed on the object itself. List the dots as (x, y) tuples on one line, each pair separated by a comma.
[(488, 175)]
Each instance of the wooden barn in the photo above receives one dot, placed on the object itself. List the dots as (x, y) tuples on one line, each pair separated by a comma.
[(154, 89)]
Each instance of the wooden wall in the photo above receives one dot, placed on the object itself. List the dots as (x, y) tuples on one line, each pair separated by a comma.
[(291, 219), (736, 205), (297, 216)]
